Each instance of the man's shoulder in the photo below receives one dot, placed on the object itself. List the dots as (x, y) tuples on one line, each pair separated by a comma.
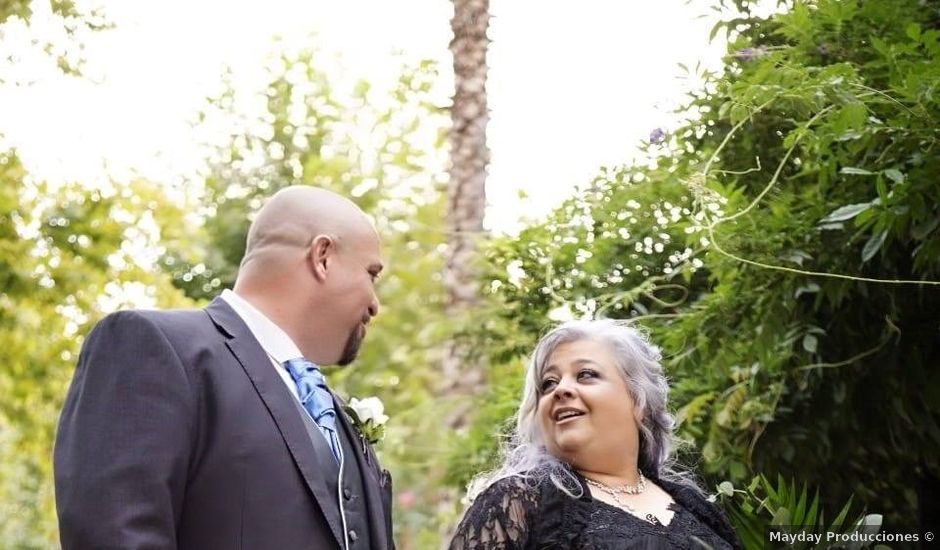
[(156, 316), (170, 322)]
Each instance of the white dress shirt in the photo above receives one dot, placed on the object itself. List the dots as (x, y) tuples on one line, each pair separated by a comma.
[(275, 342)]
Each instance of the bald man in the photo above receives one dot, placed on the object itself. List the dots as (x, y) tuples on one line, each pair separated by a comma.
[(215, 428)]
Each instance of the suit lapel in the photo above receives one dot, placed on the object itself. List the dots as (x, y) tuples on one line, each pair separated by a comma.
[(368, 466), (279, 402), (328, 465)]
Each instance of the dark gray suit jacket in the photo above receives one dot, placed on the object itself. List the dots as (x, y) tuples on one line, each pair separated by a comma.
[(178, 433)]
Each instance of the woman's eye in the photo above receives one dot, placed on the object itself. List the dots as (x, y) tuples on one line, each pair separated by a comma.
[(587, 373), (548, 384)]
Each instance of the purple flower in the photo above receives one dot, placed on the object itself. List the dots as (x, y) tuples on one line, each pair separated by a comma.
[(750, 54), (657, 136)]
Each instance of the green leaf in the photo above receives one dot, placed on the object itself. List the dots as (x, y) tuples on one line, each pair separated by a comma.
[(725, 107), (811, 518), (755, 483), (913, 31), (921, 230), (874, 245), (693, 408), (846, 212), (726, 488), (894, 175), (851, 116), (714, 32), (808, 288), (738, 113), (882, 188), (852, 171), (781, 516), (867, 215), (797, 257), (840, 519), (798, 518), (810, 342), (881, 46)]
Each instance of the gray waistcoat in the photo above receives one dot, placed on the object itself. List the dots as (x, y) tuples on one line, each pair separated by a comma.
[(353, 493)]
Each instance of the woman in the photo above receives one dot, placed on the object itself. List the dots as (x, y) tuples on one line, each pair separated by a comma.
[(589, 466)]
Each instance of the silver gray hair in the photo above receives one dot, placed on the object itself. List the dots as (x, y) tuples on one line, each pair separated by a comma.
[(639, 361)]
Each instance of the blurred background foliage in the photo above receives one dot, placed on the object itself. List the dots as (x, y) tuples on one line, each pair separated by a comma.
[(782, 246), (63, 48)]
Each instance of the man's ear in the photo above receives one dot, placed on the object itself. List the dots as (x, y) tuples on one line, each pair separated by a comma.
[(320, 255)]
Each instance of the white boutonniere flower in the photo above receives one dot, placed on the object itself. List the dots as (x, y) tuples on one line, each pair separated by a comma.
[(368, 416)]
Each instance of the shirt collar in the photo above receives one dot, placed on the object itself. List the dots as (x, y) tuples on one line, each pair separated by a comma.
[(272, 338)]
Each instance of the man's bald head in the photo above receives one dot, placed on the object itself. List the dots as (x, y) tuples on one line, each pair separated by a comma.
[(293, 216), (310, 265)]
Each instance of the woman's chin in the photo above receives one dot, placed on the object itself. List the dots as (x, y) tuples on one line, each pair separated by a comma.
[(569, 446)]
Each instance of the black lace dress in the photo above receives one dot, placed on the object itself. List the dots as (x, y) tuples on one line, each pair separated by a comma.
[(523, 514)]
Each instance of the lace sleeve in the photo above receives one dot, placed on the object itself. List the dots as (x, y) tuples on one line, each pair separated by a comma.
[(499, 518)]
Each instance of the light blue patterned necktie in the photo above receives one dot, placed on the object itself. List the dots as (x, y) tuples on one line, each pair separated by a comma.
[(316, 399)]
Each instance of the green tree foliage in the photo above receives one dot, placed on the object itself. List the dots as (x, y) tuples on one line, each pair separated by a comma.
[(21, 8), (783, 250), (383, 149), (67, 256), (62, 41)]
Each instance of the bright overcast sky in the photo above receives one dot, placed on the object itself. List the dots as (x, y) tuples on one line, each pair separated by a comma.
[(572, 86)]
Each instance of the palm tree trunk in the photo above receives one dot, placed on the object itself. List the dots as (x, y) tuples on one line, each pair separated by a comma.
[(466, 193)]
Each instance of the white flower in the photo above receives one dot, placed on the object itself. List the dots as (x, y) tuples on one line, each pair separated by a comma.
[(370, 408), (561, 313)]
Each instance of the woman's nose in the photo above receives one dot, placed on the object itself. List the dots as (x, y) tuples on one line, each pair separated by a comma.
[(564, 389)]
